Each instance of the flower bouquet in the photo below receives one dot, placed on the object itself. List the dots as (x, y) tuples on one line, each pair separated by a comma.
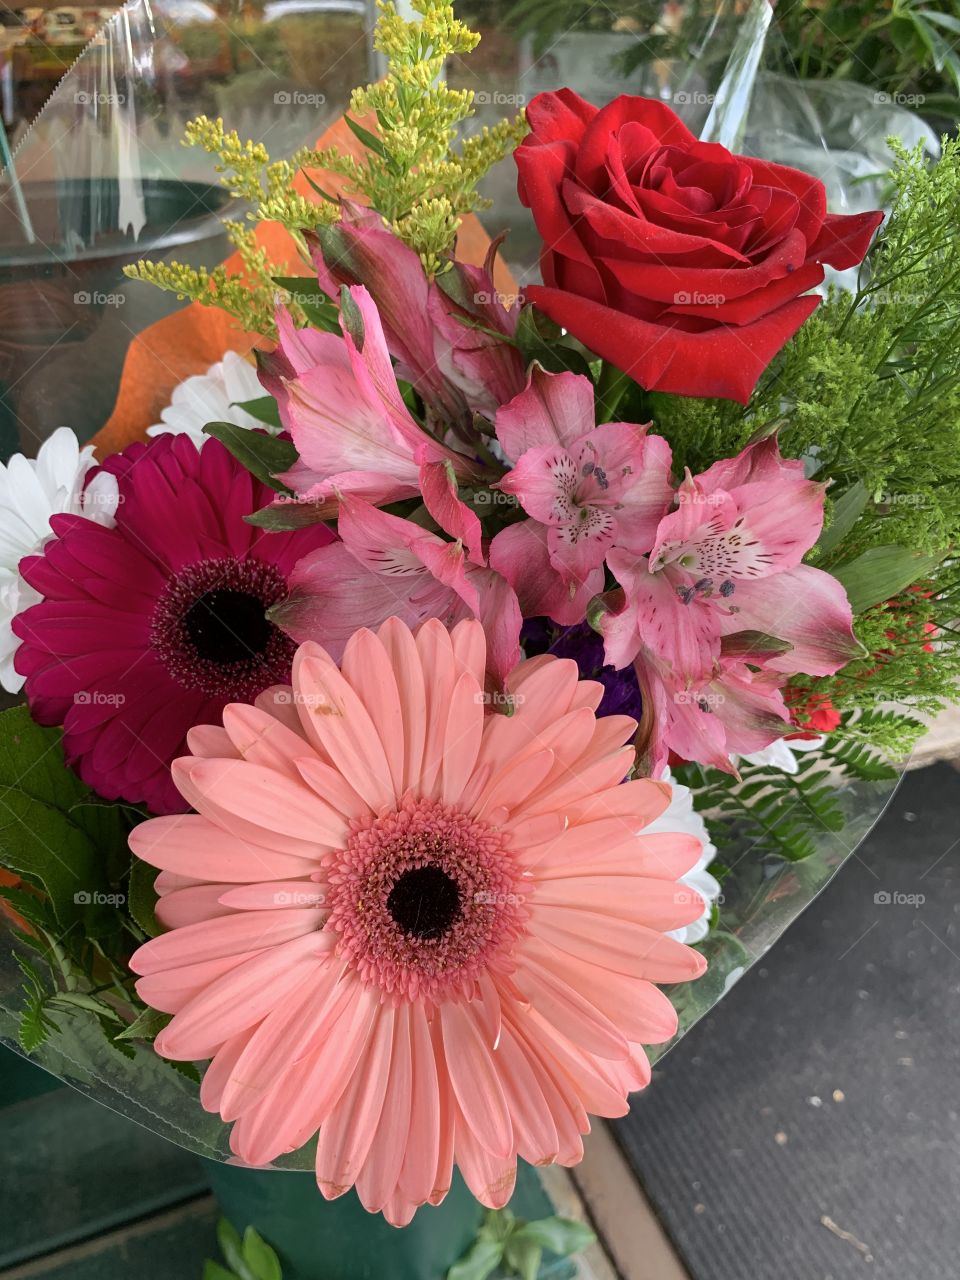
[(415, 703)]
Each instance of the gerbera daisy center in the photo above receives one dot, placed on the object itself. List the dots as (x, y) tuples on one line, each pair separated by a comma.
[(425, 900), (211, 631)]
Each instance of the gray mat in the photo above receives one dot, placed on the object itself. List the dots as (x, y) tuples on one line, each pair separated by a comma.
[(809, 1127)]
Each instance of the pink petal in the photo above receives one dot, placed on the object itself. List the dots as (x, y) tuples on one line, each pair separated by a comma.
[(475, 1079), (553, 411), (348, 1133), (191, 845), (334, 716)]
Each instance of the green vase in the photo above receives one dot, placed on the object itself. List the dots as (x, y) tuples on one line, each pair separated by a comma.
[(317, 1239)]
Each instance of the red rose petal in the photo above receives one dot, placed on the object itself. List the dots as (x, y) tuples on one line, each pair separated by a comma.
[(723, 362)]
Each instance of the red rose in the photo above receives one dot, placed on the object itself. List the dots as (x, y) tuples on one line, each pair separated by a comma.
[(679, 262)]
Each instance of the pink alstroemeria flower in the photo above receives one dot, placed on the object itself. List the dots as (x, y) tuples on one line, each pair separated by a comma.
[(339, 399), (442, 334), (724, 585), (384, 567), (589, 488)]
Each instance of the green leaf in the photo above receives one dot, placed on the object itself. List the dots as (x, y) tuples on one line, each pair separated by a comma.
[(52, 832), (316, 305), (369, 140), (261, 1259), (263, 456), (352, 317), (562, 1236), (479, 1263), (324, 195), (286, 515), (147, 1026), (264, 408), (882, 573), (847, 510), (214, 1271), (143, 897), (740, 644), (523, 1256), (34, 1025), (540, 341), (231, 1246)]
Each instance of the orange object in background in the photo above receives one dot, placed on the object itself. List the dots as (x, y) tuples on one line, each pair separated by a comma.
[(189, 341)]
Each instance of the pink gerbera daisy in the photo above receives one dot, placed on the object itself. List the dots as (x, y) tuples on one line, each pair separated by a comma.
[(155, 625), (428, 931)]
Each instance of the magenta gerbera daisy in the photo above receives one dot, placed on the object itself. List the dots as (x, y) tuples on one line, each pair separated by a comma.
[(153, 626)]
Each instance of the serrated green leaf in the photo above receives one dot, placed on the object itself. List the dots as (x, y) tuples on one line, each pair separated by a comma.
[(261, 1259), (264, 456), (143, 897), (147, 1026), (882, 573), (88, 1003)]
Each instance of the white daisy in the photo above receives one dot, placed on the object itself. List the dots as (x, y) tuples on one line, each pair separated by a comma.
[(211, 397), (682, 816), (31, 491)]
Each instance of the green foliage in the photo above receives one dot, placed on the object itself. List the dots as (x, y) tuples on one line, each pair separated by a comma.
[(905, 662), (264, 456), (517, 1246), (414, 173), (904, 48), (787, 814), (70, 851), (248, 1258)]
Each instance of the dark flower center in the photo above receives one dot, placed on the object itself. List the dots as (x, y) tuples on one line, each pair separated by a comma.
[(211, 632), (227, 626), (425, 902)]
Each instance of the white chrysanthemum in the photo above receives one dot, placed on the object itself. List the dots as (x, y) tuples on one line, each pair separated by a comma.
[(682, 816), (780, 753), (31, 491), (211, 397)]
